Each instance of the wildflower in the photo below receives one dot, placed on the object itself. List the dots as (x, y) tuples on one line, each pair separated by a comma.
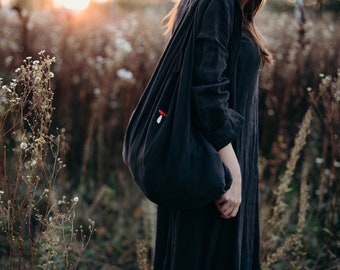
[(37, 79), (99, 58), (336, 164), (123, 44), (271, 112), (319, 160), (36, 62), (41, 52), (51, 75), (328, 78), (124, 74), (75, 199), (23, 145), (2, 192), (97, 91), (8, 60), (33, 163), (337, 95), (18, 70), (5, 88)]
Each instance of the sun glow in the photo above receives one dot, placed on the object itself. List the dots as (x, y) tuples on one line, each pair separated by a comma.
[(76, 5)]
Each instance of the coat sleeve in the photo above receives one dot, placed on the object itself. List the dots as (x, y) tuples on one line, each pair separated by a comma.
[(210, 93)]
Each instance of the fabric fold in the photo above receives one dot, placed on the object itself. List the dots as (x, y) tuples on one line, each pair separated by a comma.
[(212, 87)]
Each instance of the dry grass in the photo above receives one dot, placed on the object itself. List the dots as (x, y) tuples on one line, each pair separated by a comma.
[(102, 66), (36, 229)]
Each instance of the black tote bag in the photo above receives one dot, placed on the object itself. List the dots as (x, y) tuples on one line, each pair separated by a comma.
[(171, 161)]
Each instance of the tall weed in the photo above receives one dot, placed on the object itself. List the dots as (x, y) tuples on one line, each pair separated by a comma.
[(36, 229)]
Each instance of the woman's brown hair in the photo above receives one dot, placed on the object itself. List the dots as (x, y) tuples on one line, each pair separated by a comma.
[(249, 10)]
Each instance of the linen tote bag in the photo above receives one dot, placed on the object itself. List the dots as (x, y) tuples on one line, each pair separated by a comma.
[(171, 161)]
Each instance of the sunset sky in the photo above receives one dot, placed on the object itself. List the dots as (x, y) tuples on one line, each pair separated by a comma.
[(76, 4), (72, 5)]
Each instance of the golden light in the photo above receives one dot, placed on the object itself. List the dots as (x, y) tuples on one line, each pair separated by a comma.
[(76, 5)]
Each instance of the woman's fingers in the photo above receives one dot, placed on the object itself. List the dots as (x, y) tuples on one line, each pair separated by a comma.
[(222, 199), (228, 206), (227, 200), (229, 211)]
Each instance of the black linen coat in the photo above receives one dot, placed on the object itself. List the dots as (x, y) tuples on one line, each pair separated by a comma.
[(199, 239)]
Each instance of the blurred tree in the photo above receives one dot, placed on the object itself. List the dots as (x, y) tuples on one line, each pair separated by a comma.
[(319, 5), (331, 5), (25, 4), (28, 4)]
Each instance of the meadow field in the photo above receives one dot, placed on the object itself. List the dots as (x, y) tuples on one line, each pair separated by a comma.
[(70, 81)]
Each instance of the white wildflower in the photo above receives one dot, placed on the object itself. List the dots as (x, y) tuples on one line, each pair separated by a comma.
[(33, 163), (97, 91), (8, 60), (23, 145), (319, 160), (123, 44), (6, 88), (271, 112), (125, 74), (75, 199), (99, 58), (37, 79)]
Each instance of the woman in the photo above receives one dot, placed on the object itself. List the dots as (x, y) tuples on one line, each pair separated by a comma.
[(223, 235)]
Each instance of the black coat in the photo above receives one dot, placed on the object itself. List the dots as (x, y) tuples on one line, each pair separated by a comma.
[(224, 91)]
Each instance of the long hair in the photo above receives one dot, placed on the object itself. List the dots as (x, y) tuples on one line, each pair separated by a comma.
[(249, 10)]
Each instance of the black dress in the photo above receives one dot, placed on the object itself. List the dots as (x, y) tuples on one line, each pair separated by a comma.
[(200, 239)]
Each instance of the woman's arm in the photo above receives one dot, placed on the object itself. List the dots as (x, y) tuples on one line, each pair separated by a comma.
[(229, 203), (212, 115)]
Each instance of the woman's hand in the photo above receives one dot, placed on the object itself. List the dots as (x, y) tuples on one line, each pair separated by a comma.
[(229, 203)]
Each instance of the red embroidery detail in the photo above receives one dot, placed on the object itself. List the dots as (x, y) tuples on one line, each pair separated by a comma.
[(162, 113)]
